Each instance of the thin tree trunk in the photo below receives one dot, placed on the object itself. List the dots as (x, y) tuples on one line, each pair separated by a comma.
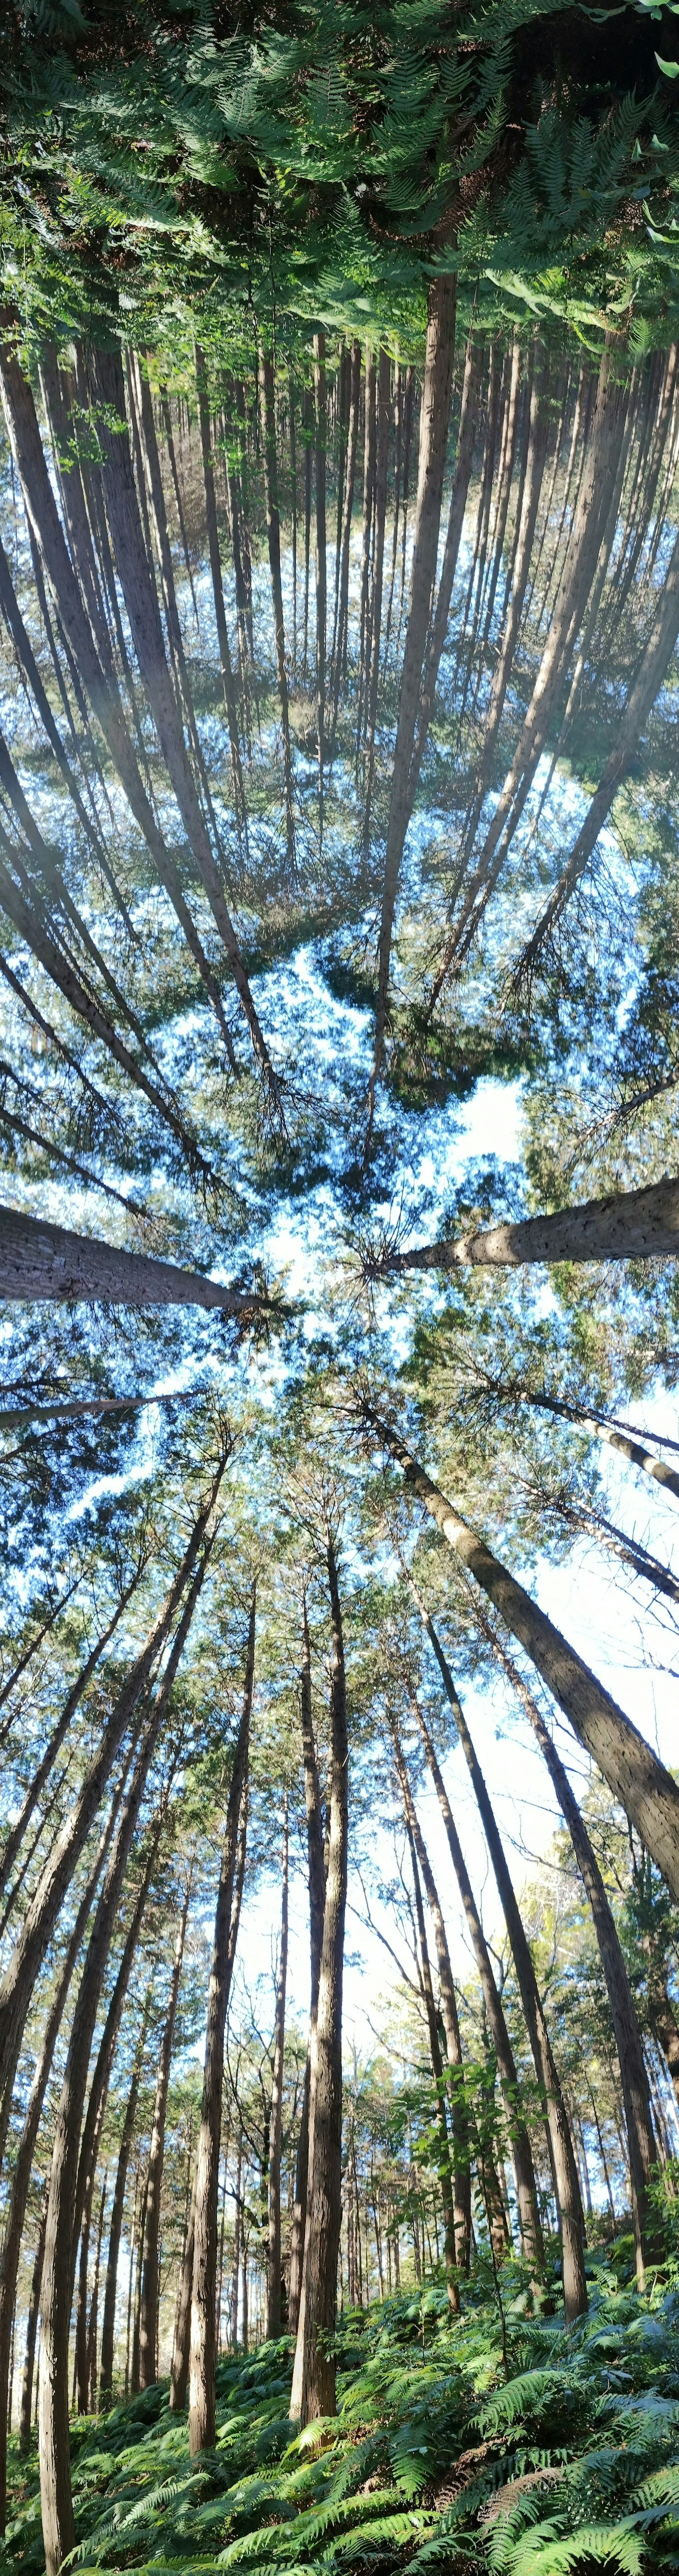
[(633, 2075), (433, 441), (629, 1444), (204, 2286), (136, 2328), (149, 2292), (98, 2093), (267, 405), (383, 408), (181, 2348), (273, 2325), (313, 2390), (646, 1790), (117, 2208), (235, 2275), (321, 556), (526, 2193), (94, 2306), (461, 2156), (316, 1872), (564, 2166), (42, 1771), (444, 2168), (212, 532), (31, 2333)]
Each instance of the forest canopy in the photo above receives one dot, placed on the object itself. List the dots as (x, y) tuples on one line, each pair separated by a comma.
[(339, 1224)]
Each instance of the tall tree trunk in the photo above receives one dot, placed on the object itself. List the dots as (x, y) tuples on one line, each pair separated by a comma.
[(631, 1225), (43, 1768), (339, 663), (646, 1790), (321, 556), (204, 2286), (149, 2292), (313, 2388), (31, 2332), (16, 2206), (444, 2169), (39, 1261), (94, 2308), (38, 1926), (461, 2154), (117, 2208), (98, 2093), (531, 2231), (629, 1444), (267, 407), (561, 2145), (212, 532), (273, 2326), (181, 2348), (633, 2075), (383, 408), (235, 2274), (432, 461), (316, 1873)]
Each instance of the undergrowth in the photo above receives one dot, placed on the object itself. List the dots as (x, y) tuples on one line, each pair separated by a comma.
[(564, 2463)]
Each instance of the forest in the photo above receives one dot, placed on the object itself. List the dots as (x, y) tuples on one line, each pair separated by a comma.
[(339, 1321)]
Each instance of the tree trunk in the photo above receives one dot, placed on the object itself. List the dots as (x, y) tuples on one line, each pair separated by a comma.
[(38, 1926), (98, 2093), (235, 2274), (564, 2167), (349, 483), (316, 1867), (321, 556), (628, 2040), (31, 2335), (632, 1225), (273, 2326), (204, 2286), (40, 1261), (94, 2307), (313, 2389), (461, 2155), (646, 1790), (267, 407), (117, 2208), (444, 2171), (629, 1444), (181, 2348), (16, 2207), (149, 2292), (432, 461), (42, 1771), (212, 533), (531, 2231), (383, 408)]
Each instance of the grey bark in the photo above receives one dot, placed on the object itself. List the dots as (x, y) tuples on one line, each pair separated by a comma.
[(204, 2284)]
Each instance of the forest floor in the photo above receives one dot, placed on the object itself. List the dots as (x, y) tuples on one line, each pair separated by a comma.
[(562, 2453)]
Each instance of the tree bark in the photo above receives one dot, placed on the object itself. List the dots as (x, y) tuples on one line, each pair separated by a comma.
[(631, 1225), (267, 406), (316, 1873), (149, 2289), (276, 2116), (633, 2076), (40, 1261), (55, 2465), (646, 1790), (41, 1773), (461, 2154), (181, 2348), (444, 2168), (321, 556), (204, 2285), (94, 2311), (564, 2166), (432, 461), (529, 2217), (117, 2208), (37, 1928), (313, 2388), (31, 2336)]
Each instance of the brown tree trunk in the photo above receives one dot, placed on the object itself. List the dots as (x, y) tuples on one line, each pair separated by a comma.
[(43, 1768), (321, 556), (382, 416), (235, 2274), (40, 1261), (628, 2040), (349, 483), (181, 2348), (267, 407), (37, 1928), (432, 460), (117, 2208), (212, 532), (98, 2093), (276, 2116), (31, 2333), (461, 2155), (16, 2207), (531, 2231), (313, 2389), (632, 1225), (316, 1866), (204, 2285), (55, 2466), (444, 2169), (149, 2290), (564, 2166), (92, 2329), (646, 1790)]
